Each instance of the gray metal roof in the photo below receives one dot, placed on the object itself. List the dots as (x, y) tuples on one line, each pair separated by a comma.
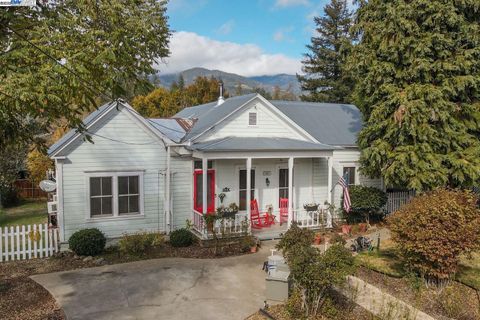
[(169, 127), (258, 144), (330, 123), (88, 119), (209, 114)]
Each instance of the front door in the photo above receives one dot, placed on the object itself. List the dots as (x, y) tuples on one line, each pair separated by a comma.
[(282, 184), (198, 190)]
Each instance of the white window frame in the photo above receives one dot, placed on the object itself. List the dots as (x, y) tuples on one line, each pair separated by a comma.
[(351, 165), (115, 175), (256, 118)]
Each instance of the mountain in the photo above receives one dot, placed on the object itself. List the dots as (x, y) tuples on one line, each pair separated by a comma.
[(231, 80)]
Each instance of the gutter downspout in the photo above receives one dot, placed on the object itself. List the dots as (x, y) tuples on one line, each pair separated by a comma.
[(168, 226)]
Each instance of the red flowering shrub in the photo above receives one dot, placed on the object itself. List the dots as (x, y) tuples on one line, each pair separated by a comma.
[(435, 229)]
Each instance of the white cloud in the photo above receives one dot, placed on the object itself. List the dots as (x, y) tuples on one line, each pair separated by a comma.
[(190, 50), (291, 3), (226, 28), (283, 34)]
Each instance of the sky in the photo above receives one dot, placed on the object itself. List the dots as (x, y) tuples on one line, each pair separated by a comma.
[(247, 37)]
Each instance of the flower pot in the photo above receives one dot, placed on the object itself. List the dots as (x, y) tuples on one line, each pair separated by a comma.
[(362, 227), (253, 249), (317, 240), (346, 229)]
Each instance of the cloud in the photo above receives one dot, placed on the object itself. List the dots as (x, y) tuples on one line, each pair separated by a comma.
[(190, 50), (291, 3), (226, 28), (282, 34)]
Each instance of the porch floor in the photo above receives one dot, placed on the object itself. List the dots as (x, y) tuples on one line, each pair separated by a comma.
[(273, 232)]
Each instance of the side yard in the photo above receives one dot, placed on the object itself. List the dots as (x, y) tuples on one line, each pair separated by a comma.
[(28, 212)]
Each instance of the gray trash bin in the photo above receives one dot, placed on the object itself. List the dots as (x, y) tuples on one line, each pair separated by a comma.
[(277, 285)]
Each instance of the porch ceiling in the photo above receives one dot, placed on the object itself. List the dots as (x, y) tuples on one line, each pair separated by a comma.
[(259, 144)]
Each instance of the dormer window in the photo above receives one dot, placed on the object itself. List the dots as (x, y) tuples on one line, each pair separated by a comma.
[(252, 118)]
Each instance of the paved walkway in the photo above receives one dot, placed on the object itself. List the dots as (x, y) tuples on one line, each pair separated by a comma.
[(170, 288)]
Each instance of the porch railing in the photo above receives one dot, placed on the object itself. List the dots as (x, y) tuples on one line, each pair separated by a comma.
[(223, 227), (310, 219)]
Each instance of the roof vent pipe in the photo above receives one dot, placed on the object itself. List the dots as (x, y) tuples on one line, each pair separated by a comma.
[(220, 98)]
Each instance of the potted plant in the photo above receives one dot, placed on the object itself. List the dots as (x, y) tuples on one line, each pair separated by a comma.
[(318, 239), (346, 229), (249, 243), (311, 206)]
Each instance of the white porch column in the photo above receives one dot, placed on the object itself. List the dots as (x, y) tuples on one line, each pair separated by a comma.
[(329, 183), (330, 194), (249, 186), (290, 191), (204, 184)]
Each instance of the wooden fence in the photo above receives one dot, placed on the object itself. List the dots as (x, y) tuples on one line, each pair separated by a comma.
[(28, 242), (28, 190), (396, 199)]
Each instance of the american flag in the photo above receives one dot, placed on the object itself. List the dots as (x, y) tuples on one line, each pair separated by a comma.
[(346, 195)]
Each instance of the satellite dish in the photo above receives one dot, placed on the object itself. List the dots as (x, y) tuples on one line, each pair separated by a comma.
[(48, 185)]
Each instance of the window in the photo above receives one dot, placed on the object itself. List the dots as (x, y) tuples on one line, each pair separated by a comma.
[(349, 175), (101, 196), (243, 188), (112, 194), (198, 164), (128, 195), (252, 118)]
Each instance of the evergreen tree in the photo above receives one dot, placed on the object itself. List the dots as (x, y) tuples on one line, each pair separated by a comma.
[(325, 79), (417, 69)]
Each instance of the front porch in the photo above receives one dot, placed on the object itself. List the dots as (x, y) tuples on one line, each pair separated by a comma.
[(299, 177)]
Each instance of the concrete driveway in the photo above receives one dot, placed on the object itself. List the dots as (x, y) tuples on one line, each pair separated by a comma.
[(170, 288)]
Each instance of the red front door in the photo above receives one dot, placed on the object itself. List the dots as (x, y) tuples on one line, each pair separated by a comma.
[(198, 190)]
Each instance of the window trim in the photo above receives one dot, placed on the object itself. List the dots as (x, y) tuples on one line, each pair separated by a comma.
[(256, 118), (114, 174)]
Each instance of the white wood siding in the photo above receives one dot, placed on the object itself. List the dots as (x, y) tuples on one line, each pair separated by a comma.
[(348, 158), (182, 191), (143, 152), (269, 124)]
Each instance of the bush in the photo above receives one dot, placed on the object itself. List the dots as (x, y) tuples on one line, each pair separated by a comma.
[(338, 239), (87, 242), (295, 236), (181, 238), (9, 196), (365, 201), (434, 230), (140, 243), (315, 274)]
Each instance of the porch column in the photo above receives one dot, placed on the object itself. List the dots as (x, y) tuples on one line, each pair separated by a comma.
[(204, 184), (290, 191), (329, 183), (330, 194), (249, 187)]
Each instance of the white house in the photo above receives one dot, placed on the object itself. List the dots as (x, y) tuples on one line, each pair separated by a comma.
[(148, 174)]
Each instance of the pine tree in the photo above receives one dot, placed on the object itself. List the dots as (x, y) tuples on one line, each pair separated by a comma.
[(417, 69), (325, 79)]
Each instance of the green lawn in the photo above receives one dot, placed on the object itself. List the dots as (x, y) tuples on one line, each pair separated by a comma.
[(28, 212), (386, 261)]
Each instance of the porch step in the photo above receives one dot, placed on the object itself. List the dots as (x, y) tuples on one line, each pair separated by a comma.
[(265, 235)]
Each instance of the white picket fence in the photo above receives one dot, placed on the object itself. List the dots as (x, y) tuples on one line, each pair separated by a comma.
[(396, 199), (28, 242)]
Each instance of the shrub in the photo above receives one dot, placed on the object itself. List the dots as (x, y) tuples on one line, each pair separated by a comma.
[(181, 238), (9, 196), (434, 230), (140, 243), (295, 236), (365, 201), (315, 274), (338, 239), (87, 242)]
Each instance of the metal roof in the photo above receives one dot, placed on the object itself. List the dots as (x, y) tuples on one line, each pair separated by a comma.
[(209, 114), (70, 134), (258, 144), (173, 128), (330, 123)]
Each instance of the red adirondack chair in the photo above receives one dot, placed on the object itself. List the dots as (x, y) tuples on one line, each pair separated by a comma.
[(283, 210), (258, 220)]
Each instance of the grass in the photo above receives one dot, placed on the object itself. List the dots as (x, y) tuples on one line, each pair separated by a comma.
[(28, 212), (388, 262)]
